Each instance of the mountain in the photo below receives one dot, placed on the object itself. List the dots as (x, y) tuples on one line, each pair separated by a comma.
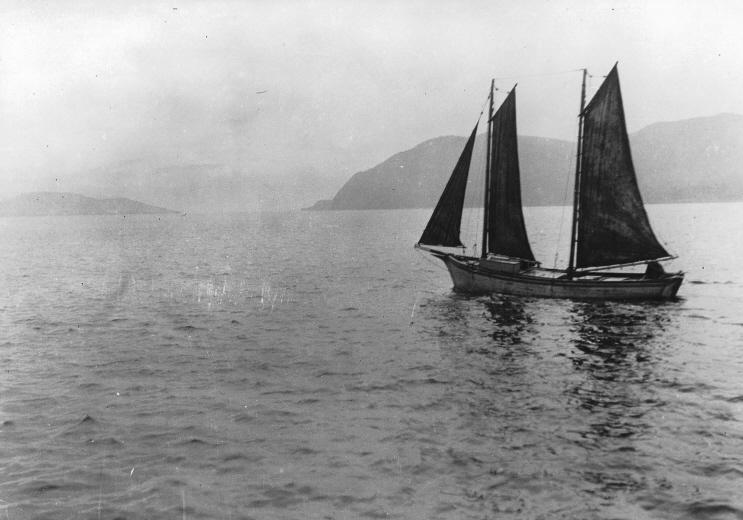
[(53, 203), (691, 160), (199, 186), (698, 159)]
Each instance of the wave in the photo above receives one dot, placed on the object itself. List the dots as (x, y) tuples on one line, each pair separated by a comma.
[(712, 509), (189, 328), (107, 441)]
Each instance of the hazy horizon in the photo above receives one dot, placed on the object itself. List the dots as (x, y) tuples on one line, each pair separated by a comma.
[(227, 104)]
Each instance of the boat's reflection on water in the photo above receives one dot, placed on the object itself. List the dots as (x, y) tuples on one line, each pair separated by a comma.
[(511, 317), (617, 349), (609, 333), (490, 326), (610, 340), (610, 347), (567, 392)]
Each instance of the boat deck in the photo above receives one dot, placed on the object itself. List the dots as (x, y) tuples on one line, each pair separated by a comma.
[(544, 273), (556, 274)]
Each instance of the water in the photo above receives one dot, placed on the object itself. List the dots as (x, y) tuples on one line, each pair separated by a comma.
[(313, 365)]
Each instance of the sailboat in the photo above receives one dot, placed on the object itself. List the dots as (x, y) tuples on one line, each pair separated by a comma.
[(610, 227)]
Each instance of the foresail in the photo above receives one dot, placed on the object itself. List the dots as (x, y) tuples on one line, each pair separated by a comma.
[(506, 229), (613, 227), (444, 225)]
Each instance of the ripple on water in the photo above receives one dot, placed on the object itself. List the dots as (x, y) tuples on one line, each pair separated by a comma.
[(236, 366)]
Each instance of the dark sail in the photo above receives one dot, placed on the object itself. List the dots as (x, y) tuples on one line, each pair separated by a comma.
[(443, 227), (506, 230), (613, 227)]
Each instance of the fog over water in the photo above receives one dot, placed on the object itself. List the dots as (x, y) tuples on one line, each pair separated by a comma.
[(226, 105)]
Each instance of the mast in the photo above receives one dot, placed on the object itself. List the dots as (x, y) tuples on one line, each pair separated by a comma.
[(486, 204), (576, 192), (506, 228), (613, 226)]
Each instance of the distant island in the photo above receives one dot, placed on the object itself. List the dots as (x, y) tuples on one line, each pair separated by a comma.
[(53, 203), (693, 160)]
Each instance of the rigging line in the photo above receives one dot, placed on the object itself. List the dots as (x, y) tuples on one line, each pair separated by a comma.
[(573, 163), (432, 279), (562, 212), (539, 75), (466, 228), (478, 179), (482, 108)]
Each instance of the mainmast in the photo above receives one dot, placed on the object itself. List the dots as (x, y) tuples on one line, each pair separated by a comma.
[(486, 204), (576, 192)]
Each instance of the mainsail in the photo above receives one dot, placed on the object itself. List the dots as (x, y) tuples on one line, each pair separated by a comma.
[(613, 227), (444, 225), (505, 227)]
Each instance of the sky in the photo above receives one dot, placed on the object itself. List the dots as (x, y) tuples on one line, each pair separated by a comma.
[(227, 104)]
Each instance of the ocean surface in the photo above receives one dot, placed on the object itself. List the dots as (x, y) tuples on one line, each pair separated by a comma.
[(312, 365)]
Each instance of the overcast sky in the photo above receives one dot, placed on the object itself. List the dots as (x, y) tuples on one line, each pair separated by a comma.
[(279, 88)]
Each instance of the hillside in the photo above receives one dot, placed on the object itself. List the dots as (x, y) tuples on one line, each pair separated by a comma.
[(694, 160), (53, 203), (691, 160)]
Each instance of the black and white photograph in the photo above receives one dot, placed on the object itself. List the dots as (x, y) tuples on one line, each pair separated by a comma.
[(394, 259)]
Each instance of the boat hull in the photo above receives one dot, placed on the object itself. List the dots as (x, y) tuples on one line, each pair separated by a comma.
[(468, 276)]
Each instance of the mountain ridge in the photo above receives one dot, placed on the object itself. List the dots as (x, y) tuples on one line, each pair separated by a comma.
[(691, 160), (48, 203)]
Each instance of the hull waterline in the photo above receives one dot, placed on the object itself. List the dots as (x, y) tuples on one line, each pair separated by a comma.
[(468, 276)]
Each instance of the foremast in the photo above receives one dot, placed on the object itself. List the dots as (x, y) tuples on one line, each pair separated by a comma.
[(488, 165)]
